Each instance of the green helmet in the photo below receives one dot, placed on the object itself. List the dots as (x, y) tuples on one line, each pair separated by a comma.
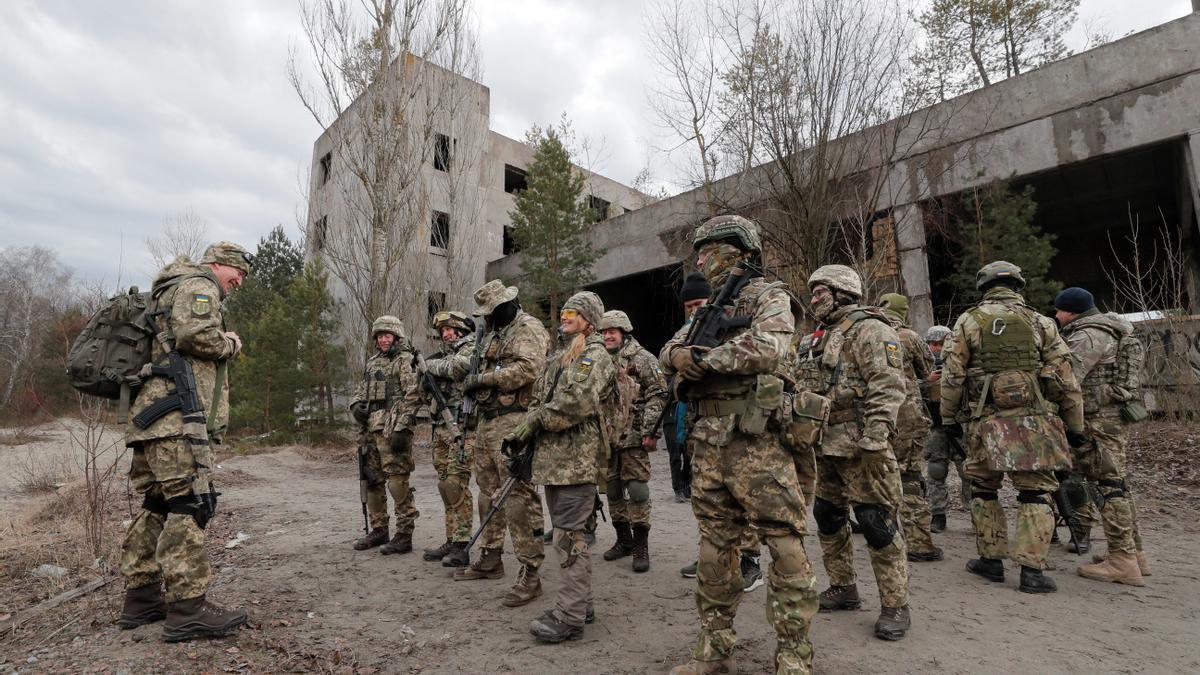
[(937, 333), (739, 231), (838, 278), (1001, 270), (388, 324), (453, 320), (615, 318), (895, 303)]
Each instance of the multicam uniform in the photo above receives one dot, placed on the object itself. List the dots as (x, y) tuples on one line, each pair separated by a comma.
[(629, 465), (941, 451)]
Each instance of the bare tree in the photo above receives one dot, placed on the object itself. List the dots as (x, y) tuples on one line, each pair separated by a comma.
[(182, 234), (34, 287)]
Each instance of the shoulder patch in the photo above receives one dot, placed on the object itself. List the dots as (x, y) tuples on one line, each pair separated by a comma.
[(584, 368), (201, 304), (892, 349)]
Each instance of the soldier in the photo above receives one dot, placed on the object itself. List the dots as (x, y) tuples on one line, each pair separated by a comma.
[(694, 293), (386, 440), (1106, 360), (912, 424), (514, 353), (174, 456), (940, 450), (567, 419), (453, 467), (741, 472), (642, 394), (857, 363), (1004, 364)]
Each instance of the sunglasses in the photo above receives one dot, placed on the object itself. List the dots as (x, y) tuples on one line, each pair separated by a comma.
[(568, 314)]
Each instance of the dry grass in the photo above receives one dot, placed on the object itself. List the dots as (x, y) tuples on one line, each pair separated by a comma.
[(40, 472), (22, 436), (1162, 461)]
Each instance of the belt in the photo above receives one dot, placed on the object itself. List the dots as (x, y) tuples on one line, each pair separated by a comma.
[(844, 415), (493, 413), (712, 407)]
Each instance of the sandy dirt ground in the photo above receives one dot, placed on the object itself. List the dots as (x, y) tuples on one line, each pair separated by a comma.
[(317, 605)]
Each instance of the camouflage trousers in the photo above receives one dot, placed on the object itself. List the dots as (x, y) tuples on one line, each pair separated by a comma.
[(629, 485), (392, 471), (1103, 465), (1035, 519), (162, 547), (739, 478), (842, 484), (940, 452), (522, 512), (914, 508), (454, 483), (939, 493)]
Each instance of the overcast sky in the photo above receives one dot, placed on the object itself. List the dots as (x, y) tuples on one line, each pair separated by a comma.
[(117, 116)]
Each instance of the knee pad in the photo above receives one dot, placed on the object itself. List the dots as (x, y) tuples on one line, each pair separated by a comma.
[(939, 470), (155, 504), (615, 490), (788, 554), (877, 528), (1032, 497), (1112, 489), (830, 517), (450, 490), (639, 491), (714, 565)]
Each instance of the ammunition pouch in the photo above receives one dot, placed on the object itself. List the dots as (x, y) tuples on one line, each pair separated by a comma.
[(764, 402), (201, 507), (1013, 389), (810, 412), (1134, 411)]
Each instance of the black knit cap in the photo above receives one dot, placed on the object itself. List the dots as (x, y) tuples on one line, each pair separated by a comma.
[(695, 287), (1075, 300)]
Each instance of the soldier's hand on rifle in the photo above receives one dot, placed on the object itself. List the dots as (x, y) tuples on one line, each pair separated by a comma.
[(401, 440), (478, 381), (237, 341), (524, 432), (360, 411), (687, 362)]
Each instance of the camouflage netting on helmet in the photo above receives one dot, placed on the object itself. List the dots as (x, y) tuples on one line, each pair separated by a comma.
[(937, 333)]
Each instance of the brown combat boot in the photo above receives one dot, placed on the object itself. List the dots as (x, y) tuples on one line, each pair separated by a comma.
[(840, 597), (1120, 568), (525, 590), (197, 618), (377, 537), (143, 605), (893, 623), (1143, 566), (641, 547), (726, 666), (487, 566), (400, 544)]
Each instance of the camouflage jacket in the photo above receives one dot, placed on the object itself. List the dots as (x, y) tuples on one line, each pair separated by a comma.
[(647, 403), (515, 356), (913, 419), (568, 402), (197, 325), (858, 363), (448, 368), (1093, 338), (962, 376), (387, 377)]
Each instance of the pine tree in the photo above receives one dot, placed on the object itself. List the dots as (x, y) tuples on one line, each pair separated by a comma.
[(550, 222)]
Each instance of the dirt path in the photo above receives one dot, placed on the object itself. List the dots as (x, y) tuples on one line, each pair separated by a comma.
[(317, 605)]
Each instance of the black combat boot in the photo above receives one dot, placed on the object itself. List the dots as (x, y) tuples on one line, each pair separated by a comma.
[(458, 556), (400, 544), (933, 555), (143, 605), (991, 569), (624, 545), (433, 554), (641, 547), (1033, 581), (893, 623), (195, 618), (377, 537), (840, 597), (937, 523), (548, 628)]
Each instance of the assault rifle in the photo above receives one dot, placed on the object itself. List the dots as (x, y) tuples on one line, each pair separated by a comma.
[(185, 399), (439, 399), (1062, 504), (466, 407), (520, 468)]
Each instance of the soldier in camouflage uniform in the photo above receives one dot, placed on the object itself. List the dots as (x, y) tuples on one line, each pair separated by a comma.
[(1007, 379), (514, 352), (174, 457), (857, 363), (567, 419), (940, 450), (1095, 340), (912, 425), (385, 438), (642, 394), (448, 369), (741, 471)]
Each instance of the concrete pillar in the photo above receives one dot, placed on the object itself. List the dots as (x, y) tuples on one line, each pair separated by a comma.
[(1189, 216), (914, 268)]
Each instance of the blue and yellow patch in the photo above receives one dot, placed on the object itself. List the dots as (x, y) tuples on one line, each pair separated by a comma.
[(201, 304), (584, 368), (892, 349)]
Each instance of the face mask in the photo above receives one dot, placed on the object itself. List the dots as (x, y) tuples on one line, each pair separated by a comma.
[(824, 307), (503, 315), (716, 266)]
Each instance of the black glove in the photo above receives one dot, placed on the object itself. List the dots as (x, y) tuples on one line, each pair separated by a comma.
[(401, 440), (360, 411), (1077, 439), (953, 431)]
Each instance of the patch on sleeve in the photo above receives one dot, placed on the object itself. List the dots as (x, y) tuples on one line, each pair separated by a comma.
[(584, 369), (892, 349), (201, 304)]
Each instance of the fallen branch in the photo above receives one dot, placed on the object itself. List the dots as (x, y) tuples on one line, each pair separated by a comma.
[(57, 600)]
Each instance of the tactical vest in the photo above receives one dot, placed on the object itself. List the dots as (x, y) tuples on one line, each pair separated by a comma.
[(1008, 359), (1115, 380), (727, 387), (498, 353), (822, 370), (379, 384)]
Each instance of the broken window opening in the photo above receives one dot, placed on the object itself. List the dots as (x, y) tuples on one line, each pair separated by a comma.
[(599, 208), (319, 232), (439, 229), (514, 179), (510, 245), (326, 164), (441, 152)]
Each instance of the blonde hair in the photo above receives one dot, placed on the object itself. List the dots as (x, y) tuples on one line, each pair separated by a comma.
[(578, 343)]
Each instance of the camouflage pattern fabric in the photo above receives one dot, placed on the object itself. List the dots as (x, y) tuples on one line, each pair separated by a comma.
[(513, 357), (741, 477), (454, 483), (522, 514), (628, 464), (386, 378), (630, 461), (1035, 522)]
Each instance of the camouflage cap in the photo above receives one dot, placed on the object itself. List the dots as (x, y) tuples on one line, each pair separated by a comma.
[(228, 253), (895, 303), (938, 333), (739, 231), (615, 318), (388, 324), (838, 278), (1000, 270), (453, 319), (491, 295), (588, 304)]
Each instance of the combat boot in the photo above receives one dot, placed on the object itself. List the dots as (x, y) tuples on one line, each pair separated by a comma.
[(487, 566), (893, 623), (1033, 581), (991, 569), (624, 545), (1119, 568), (196, 618), (143, 605), (400, 544), (458, 556), (1082, 541), (377, 537), (433, 554), (525, 590), (548, 628), (937, 523), (932, 555), (726, 666), (840, 597), (1143, 566), (641, 547)]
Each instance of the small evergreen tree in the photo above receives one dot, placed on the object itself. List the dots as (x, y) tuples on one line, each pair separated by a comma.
[(550, 222)]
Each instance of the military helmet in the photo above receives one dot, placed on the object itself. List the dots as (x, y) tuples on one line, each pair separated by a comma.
[(615, 318), (453, 320), (937, 333), (388, 324), (1000, 270), (588, 304), (838, 278), (739, 231)]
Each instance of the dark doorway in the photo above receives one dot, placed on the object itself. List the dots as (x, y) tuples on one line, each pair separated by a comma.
[(651, 299)]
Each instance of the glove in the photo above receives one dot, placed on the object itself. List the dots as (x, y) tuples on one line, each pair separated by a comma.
[(478, 381), (876, 460), (953, 431), (650, 443), (401, 440), (1077, 439), (521, 436), (686, 361), (359, 411)]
